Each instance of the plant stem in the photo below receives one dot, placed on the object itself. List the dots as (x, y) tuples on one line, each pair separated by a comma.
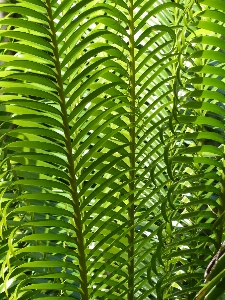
[(220, 228), (73, 183), (132, 157)]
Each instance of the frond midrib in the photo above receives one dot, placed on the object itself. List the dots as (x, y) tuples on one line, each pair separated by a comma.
[(71, 167)]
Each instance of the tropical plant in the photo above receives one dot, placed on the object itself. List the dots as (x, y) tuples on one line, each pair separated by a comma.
[(112, 149)]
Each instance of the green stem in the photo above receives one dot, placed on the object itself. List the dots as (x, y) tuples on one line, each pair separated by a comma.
[(73, 183), (222, 205), (132, 157)]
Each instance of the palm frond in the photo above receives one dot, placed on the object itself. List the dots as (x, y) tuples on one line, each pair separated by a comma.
[(196, 215), (112, 159)]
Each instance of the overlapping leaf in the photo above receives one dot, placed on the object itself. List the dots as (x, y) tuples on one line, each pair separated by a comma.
[(87, 91), (196, 152)]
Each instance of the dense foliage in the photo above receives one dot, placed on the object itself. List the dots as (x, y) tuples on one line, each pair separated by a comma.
[(112, 149)]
